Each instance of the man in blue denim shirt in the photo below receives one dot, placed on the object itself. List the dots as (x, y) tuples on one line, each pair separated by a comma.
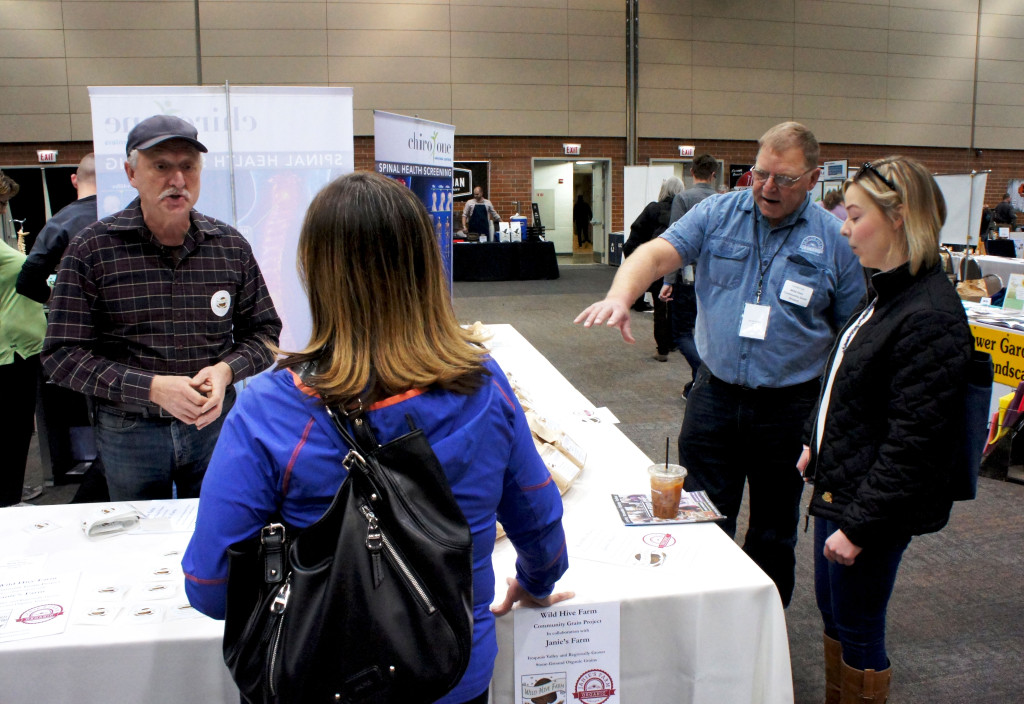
[(775, 282)]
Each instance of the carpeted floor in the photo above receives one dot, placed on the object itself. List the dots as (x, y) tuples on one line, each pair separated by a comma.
[(956, 620)]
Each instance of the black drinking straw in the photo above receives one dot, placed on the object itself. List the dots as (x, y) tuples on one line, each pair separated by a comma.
[(666, 454)]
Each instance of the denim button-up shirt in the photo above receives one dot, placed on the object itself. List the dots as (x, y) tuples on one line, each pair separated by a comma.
[(805, 249)]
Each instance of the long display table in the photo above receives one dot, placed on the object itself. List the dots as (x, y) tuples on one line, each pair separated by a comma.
[(705, 627)]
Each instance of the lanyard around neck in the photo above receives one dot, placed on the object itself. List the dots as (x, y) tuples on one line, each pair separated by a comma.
[(763, 269)]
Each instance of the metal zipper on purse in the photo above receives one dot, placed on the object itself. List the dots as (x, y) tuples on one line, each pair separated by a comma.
[(375, 539), (278, 606)]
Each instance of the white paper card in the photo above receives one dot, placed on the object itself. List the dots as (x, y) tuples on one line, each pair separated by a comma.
[(797, 294), (755, 321), (32, 607), (569, 650)]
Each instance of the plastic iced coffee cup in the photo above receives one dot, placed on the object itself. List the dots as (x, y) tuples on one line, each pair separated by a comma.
[(666, 487)]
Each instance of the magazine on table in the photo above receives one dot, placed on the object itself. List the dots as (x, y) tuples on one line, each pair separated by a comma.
[(694, 507)]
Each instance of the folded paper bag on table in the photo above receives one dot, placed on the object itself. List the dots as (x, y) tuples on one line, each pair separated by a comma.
[(106, 521)]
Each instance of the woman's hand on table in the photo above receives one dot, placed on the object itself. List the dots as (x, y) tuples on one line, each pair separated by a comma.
[(516, 593)]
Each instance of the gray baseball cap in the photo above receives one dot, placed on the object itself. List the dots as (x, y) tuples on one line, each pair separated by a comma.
[(160, 128)]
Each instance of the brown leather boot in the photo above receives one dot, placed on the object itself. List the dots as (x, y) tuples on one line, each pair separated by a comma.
[(833, 656), (864, 686)]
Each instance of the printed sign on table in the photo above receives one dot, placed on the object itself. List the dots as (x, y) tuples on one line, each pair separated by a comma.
[(567, 653)]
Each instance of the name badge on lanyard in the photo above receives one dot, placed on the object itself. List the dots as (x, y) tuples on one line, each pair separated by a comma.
[(755, 321)]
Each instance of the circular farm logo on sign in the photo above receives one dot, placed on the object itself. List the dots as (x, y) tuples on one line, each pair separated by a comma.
[(41, 614), (660, 540), (594, 687)]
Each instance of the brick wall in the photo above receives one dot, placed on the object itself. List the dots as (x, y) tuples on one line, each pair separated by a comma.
[(510, 159)]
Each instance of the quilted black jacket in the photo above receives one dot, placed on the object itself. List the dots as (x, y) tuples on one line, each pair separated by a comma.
[(896, 412)]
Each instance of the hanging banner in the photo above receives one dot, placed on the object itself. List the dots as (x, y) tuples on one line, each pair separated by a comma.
[(419, 154), (271, 149)]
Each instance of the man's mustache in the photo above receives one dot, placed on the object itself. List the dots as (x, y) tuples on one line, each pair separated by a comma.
[(176, 192)]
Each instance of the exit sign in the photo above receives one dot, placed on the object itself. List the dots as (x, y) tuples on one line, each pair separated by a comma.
[(572, 149), (47, 156), (686, 150)]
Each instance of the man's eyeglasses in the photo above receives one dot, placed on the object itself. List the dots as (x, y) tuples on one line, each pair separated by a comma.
[(760, 175), (868, 167)]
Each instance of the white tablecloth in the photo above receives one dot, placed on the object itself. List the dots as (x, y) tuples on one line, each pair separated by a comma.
[(706, 627), (1000, 266)]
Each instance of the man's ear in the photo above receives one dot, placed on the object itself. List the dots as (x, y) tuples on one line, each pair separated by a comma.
[(74, 181), (130, 172), (814, 179)]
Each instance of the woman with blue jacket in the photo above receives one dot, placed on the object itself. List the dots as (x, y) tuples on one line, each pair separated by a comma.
[(384, 333)]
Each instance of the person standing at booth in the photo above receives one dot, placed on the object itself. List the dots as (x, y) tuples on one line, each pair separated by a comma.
[(22, 326), (157, 311), (384, 338), (774, 282), (478, 214), (884, 443), (1004, 214)]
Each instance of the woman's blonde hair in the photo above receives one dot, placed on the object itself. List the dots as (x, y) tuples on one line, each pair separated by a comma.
[(383, 321), (904, 188)]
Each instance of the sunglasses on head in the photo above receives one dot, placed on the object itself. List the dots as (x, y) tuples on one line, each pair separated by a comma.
[(868, 167)]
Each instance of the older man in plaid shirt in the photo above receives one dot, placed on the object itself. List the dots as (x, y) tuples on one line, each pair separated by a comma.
[(157, 310)]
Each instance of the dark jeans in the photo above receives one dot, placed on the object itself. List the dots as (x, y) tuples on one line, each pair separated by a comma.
[(732, 435), (683, 317), (143, 457), (853, 600), (19, 381), (662, 326)]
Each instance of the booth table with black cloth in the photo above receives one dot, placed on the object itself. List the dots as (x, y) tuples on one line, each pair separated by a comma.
[(707, 625), (503, 261)]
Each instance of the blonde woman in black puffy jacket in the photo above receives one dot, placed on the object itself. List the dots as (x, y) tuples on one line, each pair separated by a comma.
[(883, 446)]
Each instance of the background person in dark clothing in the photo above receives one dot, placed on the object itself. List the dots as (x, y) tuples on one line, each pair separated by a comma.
[(581, 217), (34, 280), (653, 220), (64, 411), (678, 286), (1004, 214)]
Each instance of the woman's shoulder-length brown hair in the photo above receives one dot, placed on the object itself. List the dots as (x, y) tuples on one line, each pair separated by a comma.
[(382, 317)]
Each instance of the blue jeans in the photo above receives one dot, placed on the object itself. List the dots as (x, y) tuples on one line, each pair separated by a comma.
[(143, 457), (853, 600), (733, 436)]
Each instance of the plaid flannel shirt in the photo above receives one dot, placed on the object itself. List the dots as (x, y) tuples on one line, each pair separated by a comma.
[(125, 308)]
